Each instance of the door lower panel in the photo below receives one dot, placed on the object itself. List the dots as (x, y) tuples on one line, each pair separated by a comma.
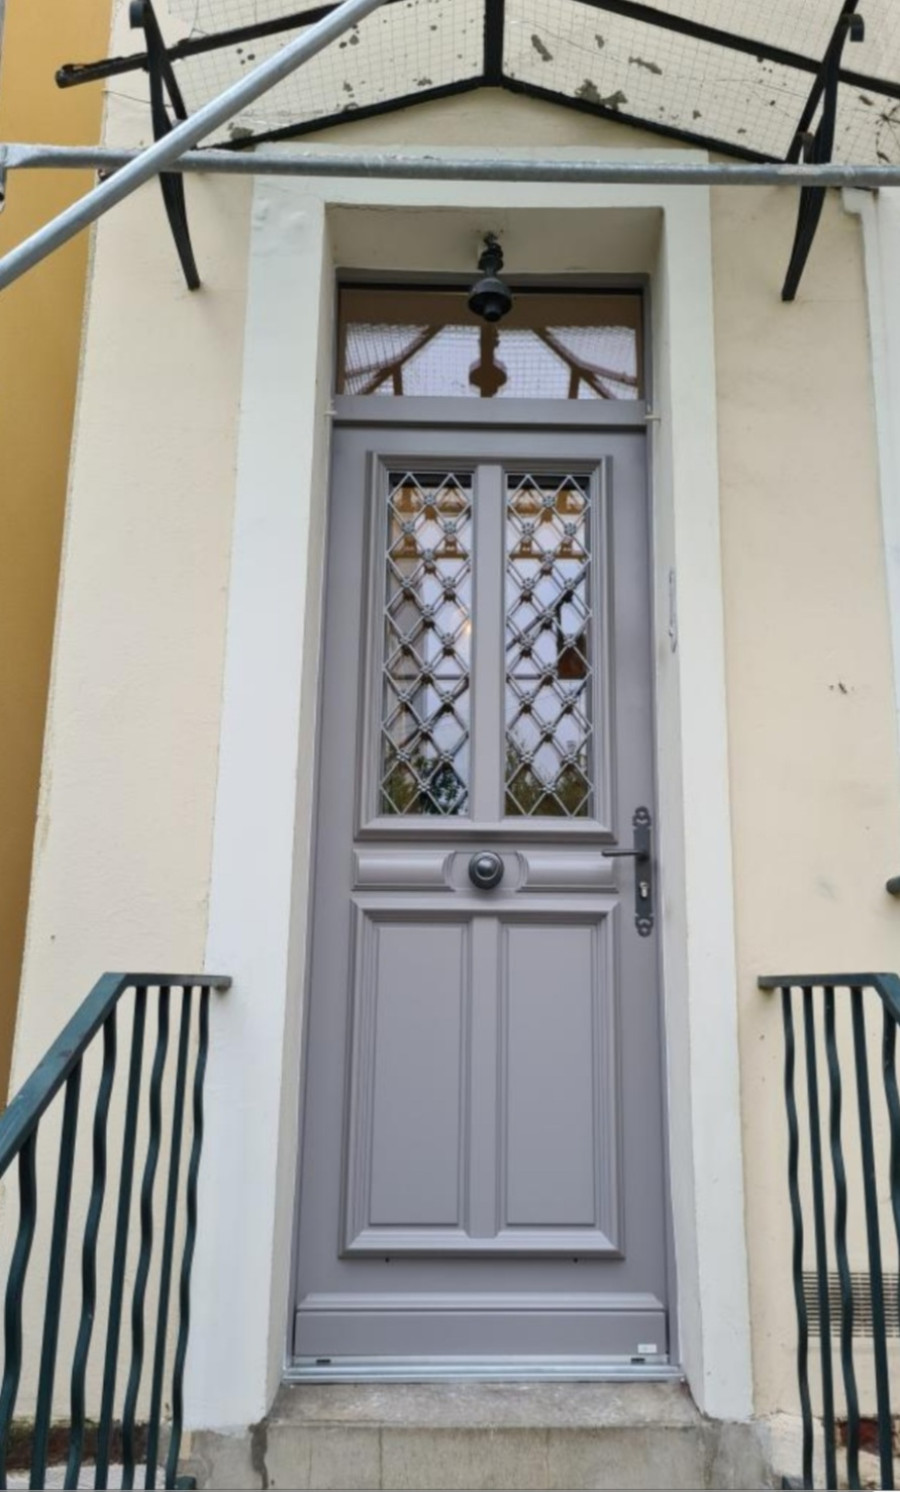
[(484, 1089)]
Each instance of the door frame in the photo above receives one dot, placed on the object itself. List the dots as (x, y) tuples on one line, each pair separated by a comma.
[(302, 231), (500, 420)]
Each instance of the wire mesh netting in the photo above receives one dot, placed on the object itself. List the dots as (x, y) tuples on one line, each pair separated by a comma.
[(614, 58), (647, 73), (405, 48)]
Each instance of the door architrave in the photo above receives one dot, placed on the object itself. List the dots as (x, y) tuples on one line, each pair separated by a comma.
[(261, 850)]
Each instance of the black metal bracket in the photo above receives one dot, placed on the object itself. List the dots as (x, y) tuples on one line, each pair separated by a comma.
[(817, 147), (642, 854), (163, 83), (494, 36)]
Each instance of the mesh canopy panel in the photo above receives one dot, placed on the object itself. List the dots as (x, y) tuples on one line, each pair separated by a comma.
[(647, 73), (581, 52), (402, 48)]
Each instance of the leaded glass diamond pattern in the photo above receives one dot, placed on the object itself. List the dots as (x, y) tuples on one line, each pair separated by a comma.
[(426, 700), (548, 653)]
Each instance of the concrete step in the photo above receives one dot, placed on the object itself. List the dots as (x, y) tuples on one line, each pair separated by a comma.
[(482, 1435)]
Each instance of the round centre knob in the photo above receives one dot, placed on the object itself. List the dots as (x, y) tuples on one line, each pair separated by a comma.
[(486, 870)]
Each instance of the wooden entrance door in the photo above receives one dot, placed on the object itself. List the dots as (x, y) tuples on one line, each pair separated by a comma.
[(482, 1167)]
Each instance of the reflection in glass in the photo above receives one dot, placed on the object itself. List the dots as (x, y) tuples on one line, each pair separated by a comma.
[(552, 345), (427, 645), (548, 653)]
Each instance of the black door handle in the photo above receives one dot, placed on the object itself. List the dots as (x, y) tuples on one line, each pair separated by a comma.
[(642, 855)]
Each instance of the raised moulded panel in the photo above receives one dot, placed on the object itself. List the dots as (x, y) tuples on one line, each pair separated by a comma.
[(565, 869), (558, 1100), (482, 1080), (408, 1130), (401, 869)]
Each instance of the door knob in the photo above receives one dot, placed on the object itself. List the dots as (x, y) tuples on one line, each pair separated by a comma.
[(486, 870)]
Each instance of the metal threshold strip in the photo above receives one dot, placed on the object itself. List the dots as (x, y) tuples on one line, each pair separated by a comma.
[(480, 1370), (373, 165)]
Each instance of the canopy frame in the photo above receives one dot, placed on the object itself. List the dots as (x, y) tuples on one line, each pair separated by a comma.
[(810, 145), (72, 74)]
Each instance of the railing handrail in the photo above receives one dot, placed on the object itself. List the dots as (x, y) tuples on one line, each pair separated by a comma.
[(24, 1111), (886, 985)]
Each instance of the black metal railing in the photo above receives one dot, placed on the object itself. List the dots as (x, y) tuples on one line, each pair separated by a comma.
[(32, 1436), (851, 1020)]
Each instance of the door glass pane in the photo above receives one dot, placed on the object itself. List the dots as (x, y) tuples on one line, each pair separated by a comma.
[(552, 345), (548, 649), (427, 644)]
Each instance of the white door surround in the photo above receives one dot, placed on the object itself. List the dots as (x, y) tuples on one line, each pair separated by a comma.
[(879, 213), (301, 232)]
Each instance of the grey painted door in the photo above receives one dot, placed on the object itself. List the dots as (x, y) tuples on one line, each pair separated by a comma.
[(482, 1138)]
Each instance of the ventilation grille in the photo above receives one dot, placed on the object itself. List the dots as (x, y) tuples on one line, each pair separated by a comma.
[(860, 1285)]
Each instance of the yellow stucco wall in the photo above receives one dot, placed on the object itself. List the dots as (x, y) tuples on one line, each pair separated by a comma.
[(815, 788), (40, 336)]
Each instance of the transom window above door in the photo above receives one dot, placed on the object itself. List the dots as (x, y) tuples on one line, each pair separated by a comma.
[(552, 345)]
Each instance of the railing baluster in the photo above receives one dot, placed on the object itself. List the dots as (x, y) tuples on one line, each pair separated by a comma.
[(797, 1216), (55, 1276), (184, 1288), (840, 1242), (12, 1314), (143, 1269), (89, 1250), (867, 1147), (815, 1162), (889, 1071), (165, 1275), (121, 1243), (62, 1067)]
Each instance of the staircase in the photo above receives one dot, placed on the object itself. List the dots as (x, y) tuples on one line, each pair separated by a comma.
[(482, 1435)]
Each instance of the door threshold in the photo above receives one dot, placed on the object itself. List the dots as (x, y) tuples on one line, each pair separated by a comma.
[(481, 1369)]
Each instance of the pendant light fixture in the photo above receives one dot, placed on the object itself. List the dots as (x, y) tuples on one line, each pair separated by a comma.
[(489, 297)]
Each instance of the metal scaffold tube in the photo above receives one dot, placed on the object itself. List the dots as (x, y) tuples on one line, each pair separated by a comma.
[(423, 166), (164, 155)]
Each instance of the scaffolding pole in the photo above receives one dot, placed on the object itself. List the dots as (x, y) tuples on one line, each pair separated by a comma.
[(423, 166), (165, 154)]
